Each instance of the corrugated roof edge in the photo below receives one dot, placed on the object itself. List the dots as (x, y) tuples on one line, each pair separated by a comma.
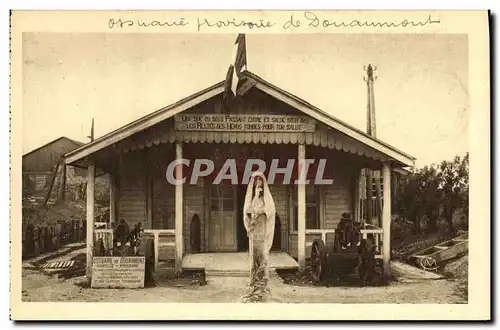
[(80, 144)]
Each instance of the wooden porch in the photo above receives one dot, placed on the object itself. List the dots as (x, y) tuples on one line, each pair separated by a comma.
[(234, 262)]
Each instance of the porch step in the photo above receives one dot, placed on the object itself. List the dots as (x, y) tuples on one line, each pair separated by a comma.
[(229, 261), (236, 273), (165, 269)]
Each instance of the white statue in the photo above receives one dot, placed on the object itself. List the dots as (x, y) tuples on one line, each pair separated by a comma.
[(259, 216)]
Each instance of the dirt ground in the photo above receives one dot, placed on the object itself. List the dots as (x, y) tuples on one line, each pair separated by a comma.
[(40, 287)]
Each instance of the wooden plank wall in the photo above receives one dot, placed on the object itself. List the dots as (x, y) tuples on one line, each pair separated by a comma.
[(132, 195), (163, 192), (338, 199), (280, 196)]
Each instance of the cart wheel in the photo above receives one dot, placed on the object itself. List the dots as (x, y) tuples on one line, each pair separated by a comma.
[(149, 267), (318, 260), (99, 248)]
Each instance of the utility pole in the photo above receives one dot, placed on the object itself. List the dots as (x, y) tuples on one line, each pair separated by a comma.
[(372, 131), (91, 136)]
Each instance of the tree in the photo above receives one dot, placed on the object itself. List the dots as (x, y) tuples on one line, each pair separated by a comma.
[(454, 187), (434, 190), (420, 197)]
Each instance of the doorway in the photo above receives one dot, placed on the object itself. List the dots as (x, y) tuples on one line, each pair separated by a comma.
[(222, 225)]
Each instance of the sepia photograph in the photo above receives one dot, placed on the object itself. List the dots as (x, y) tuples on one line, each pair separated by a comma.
[(244, 167)]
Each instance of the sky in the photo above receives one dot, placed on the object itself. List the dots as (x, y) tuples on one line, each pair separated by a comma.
[(421, 91)]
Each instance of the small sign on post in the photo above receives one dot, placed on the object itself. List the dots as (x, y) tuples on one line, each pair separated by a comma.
[(118, 272)]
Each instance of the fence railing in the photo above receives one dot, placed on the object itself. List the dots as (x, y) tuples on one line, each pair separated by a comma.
[(107, 236), (100, 225), (37, 240), (156, 234)]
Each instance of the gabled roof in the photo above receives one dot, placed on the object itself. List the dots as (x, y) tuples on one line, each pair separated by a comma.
[(76, 143), (280, 94)]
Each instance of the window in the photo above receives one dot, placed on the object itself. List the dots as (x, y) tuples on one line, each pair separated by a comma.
[(313, 207), (222, 198)]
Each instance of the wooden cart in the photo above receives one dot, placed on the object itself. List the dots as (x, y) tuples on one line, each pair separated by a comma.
[(430, 258), (350, 252)]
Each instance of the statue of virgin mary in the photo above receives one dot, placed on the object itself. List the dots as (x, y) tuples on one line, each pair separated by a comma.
[(259, 217)]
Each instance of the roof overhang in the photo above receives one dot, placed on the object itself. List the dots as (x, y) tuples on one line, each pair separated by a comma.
[(402, 159), (143, 123), (318, 114)]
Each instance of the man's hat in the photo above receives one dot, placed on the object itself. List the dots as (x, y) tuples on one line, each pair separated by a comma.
[(346, 216)]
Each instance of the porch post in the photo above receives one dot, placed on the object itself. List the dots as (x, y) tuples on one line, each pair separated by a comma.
[(386, 218), (369, 195), (90, 218), (357, 199), (301, 210), (112, 199), (179, 248)]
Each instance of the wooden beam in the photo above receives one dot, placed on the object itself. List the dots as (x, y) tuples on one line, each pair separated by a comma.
[(149, 188), (378, 196), (179, 239), (54, 175), (386, 218), (357, 197), (369, 195), (371, 129), (301, 208), (113, 199), (246, 86), (90, 217), (149, 201), (63, 182), (157, 248)]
